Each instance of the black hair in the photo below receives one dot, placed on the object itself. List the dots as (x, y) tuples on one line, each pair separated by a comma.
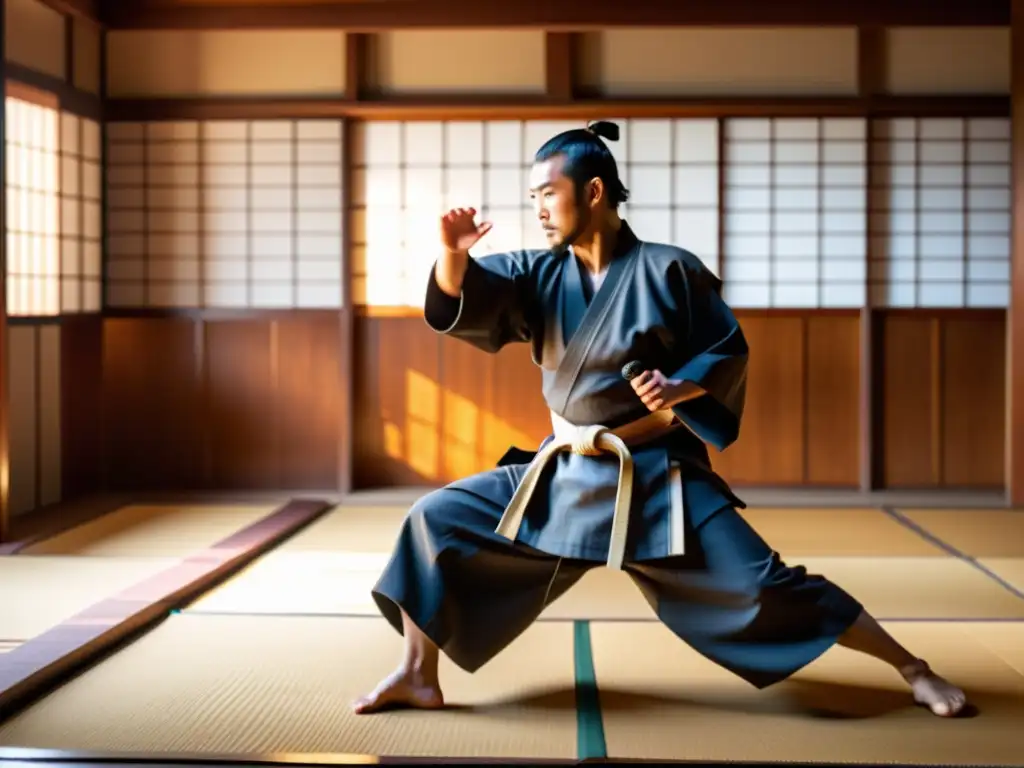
[(587, 157)]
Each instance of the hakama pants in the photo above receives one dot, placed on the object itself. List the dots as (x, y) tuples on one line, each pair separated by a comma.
[(730, 597)]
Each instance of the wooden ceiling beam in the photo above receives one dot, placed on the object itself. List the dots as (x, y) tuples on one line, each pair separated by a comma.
[(82, 9), (564, 15), (510, 107)]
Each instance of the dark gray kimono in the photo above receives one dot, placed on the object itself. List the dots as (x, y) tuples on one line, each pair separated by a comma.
[(659, 305), (727, 594)]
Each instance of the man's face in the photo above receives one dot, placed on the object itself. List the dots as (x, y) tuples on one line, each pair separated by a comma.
[(558, 207)]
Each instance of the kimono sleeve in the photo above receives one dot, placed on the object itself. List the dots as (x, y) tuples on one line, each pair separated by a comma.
[(717, 356), (494, 307)]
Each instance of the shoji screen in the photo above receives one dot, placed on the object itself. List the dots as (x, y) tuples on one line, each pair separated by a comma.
[(33, 207), (406, 174), (81, 226), (795, 212), (671, 170), (941, 202), (243, 214)]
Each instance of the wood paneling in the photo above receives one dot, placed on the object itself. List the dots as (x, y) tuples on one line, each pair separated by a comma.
[(800, 425), (943, 398), (195, 402), (833, 400), (81, 352), (256, 402), (432, 409), (947, 61), (216, 63), (771, 61)]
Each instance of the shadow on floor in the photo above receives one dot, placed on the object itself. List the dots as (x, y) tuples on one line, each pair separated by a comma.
[(820, 700)]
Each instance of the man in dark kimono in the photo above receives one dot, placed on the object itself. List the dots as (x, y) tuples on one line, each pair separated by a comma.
[(643, 364)]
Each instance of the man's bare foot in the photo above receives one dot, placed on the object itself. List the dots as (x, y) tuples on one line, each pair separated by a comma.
[(941, 697), (402, 689)]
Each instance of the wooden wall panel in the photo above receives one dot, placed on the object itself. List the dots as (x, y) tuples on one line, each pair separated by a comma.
[(410, 61), (309, 400), (973, 400), (152, 404), (240, 374), (397, 419), (432, 410), (48, 423), (228, 403), (23, 417), (257, 402), (708, 61), (81, 352), (801, 419), (833, 400), (34, 37), (943, 399), (953, 60), (86, 45), (38, 377), (770, 448), (217, 63)]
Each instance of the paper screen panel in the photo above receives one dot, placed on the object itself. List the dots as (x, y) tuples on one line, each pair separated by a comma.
[(405, 175), (795, 215), (233, 214), (941, 212), (32, 133), (81, 220)]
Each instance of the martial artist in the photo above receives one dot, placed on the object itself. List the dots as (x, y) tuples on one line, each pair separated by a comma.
[(643, 365)]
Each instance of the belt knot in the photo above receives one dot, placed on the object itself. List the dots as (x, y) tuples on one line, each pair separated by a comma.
[(583, 440)]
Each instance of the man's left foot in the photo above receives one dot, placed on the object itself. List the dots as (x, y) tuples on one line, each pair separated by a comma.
[(940, 696)]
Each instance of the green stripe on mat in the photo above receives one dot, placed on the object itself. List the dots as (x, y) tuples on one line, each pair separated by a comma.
[(590, 742)]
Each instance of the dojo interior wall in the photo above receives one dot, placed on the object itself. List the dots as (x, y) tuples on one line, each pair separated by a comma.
[(427, 410), (222, 362), (54, 254)]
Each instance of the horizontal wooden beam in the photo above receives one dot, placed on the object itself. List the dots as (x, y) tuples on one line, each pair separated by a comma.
[(541, 108), (564, 15), (67, 96), (82, 9)]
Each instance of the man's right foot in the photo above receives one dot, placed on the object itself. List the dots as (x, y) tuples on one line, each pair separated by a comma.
[(402, 689)]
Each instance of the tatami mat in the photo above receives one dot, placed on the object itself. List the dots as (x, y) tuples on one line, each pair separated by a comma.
[(283, 582), (1009, 569), (212, 684), (975, 532), (326, 583), (918, 587), (668, 702), (323, 583), (850, 532), (37, 593), (1004, 640), (861, 532), (153, 531), (350, 529)]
